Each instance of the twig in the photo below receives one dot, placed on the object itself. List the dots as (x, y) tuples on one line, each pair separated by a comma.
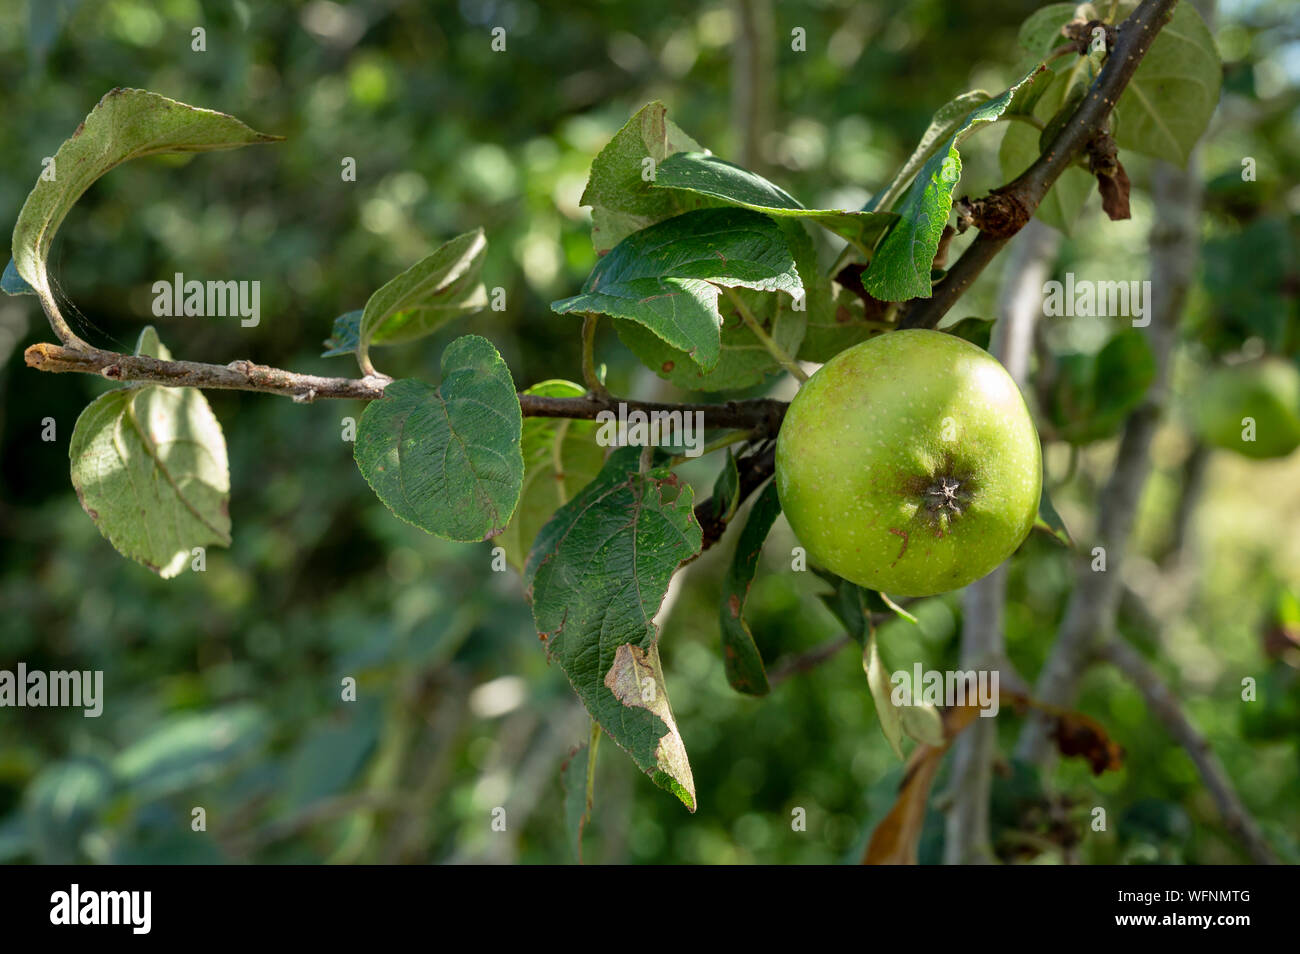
[(1136, 34), (793, 665), (1165, 707), (237, 376), (325, 810), (761, 416), (589, 376), (1189, 495)]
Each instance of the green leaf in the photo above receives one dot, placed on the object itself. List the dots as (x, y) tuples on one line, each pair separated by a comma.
[(331, 755), (726, 489), (1040, 33), (943, 125), (448, 459), (900, 268), (740, 657), (1246, 275), (597, 576), (189, 750), (11, 283), (1126, 367), (63, 803), (1169, 101), (441, 286), (846, 601), (891, 723), (716, 178), (1049, 521), (619, 192), (149, 466), (126, 124), (560, 458), (923, 722), (345, 335), (743, 361), (835, 328), (150, 345), (577, 809), (666, 277), (977, 331)]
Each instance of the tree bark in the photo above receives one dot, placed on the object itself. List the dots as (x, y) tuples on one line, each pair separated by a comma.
[(1090, 613)]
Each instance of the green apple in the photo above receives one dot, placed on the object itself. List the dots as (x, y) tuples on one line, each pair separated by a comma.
[(909, 464), (1251, 408)]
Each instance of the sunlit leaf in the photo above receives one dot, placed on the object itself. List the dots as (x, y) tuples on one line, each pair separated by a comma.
[(149, 466), (441, 286), (900, 268), (716, 178), (666, 277), (125, 124)]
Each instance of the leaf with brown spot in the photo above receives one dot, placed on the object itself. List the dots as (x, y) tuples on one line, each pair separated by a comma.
[(637, 680), (597, 576)]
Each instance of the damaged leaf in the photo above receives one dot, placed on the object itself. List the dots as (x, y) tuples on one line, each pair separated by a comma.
[(597, 576)]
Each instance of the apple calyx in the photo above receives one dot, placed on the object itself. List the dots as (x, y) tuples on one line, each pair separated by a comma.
[(945, 495)]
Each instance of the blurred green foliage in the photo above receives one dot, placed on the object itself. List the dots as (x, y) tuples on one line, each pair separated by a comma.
[(223, 688)]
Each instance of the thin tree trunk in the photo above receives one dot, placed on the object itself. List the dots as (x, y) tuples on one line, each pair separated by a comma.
[(968, 839), (1090, 613), (1189, 495), (753, 73)]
